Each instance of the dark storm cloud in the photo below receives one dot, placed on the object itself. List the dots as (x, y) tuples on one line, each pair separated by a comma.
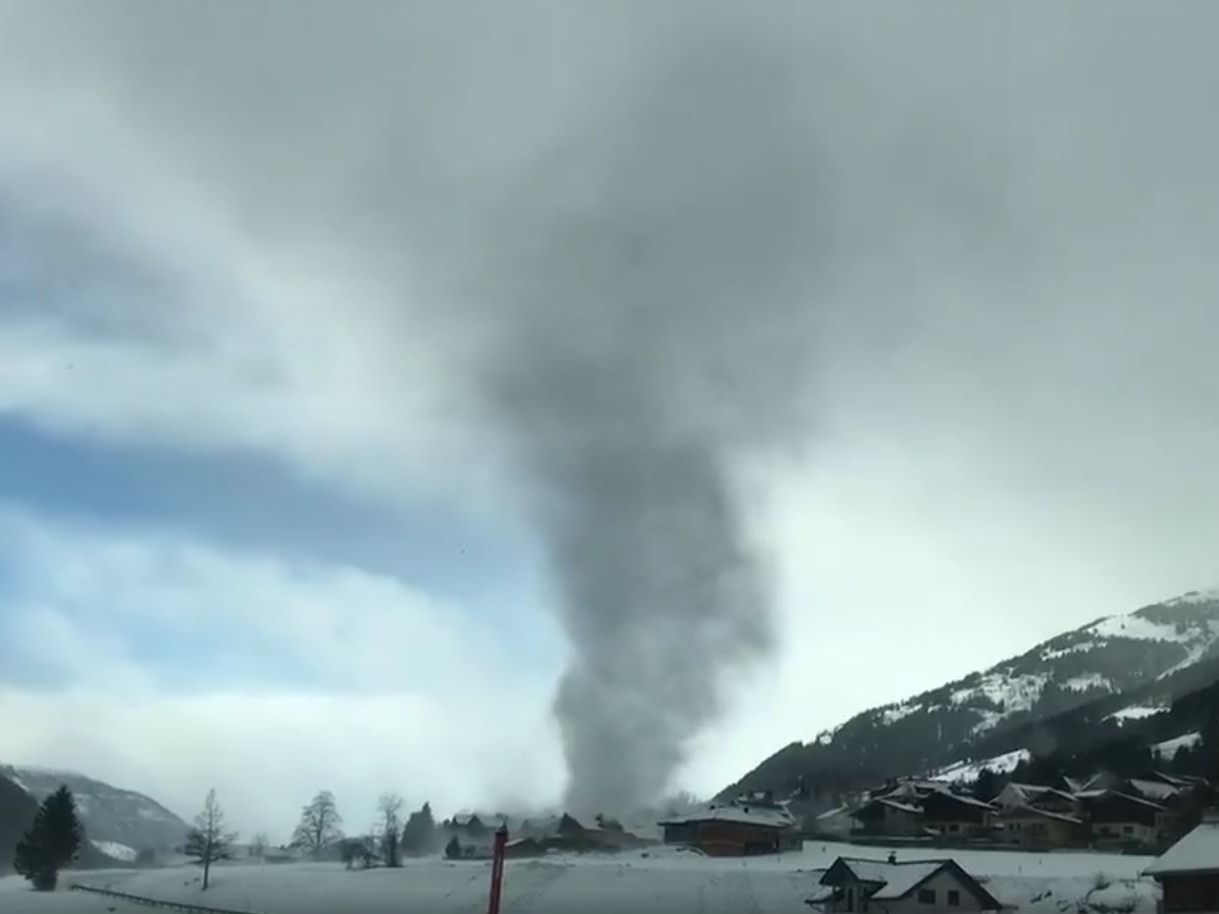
[(653, 295)]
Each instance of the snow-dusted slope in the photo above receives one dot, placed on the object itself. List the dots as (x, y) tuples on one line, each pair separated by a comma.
[(968, 771), (1110, 655), (111, 816), (1145, 653)]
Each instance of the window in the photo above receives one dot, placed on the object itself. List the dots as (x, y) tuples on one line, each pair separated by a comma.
[(1127, 829), (954, 827), (926, 896), (954, 898)]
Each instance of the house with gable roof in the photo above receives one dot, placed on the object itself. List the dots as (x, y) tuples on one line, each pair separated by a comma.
[(1188, 872), (888, 887)]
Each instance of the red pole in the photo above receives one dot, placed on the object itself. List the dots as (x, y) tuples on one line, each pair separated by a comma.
[(497, 868)]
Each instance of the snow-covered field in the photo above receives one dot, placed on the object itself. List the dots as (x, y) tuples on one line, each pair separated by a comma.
[(664, 882)]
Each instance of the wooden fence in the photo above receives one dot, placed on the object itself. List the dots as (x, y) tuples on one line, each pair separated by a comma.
[(187, 906)]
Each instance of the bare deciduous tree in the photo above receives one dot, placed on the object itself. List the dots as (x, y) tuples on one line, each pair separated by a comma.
[(319, 824), (208, 842), (259, 844), (389, 809)]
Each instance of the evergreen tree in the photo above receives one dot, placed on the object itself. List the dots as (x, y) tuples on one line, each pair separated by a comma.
[(349, 849), (52, 841), (419, 834), (988, 785), (452, 850)]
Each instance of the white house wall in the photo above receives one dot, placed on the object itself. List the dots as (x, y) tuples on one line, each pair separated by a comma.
[(941, 883)]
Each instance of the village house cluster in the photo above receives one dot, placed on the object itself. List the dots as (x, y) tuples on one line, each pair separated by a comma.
[(1103, 811)]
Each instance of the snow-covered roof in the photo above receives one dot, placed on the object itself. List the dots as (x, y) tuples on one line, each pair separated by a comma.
[(906, 876), (916, 786), (1035, 791), (869, 870), (898, 805), (1102, 794), (1141, 800), (753, 815), (958, 798), (966, 801), (1183, 781), (1024, 811), (1197, 852), (1154, 789)]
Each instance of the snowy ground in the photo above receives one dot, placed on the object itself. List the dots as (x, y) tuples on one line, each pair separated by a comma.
[(664, 882)]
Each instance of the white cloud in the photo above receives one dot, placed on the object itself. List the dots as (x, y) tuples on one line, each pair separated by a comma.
[(355, 629), (325, 397), (409, 693), (266, 754)]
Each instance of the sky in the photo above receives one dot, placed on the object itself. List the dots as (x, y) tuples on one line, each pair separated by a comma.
[(274, 279)]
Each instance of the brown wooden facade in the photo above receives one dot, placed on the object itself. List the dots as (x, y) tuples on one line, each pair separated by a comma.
[(1190, 892)]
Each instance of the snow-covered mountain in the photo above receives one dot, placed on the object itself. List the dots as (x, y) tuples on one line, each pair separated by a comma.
[(1112, 654), (1150, 655), (121, 820)]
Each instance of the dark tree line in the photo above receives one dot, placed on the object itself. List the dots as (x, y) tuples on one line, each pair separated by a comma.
[(419, 835)]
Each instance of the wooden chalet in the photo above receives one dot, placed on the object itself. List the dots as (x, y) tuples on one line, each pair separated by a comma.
[(951, 815), (1034, 828), (1050, 798), (733, 830), (893, 817), (1117, 819)]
